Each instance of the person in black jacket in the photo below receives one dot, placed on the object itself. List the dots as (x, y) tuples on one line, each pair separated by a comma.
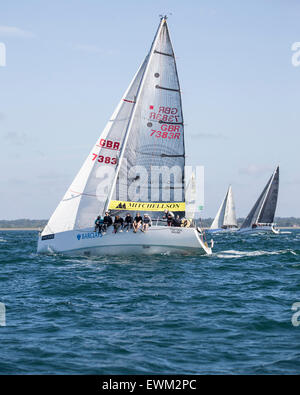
[(128, 222), (169, 216), (138, 220), (107, 221), (176, 221), (98, 224), (118, 223)]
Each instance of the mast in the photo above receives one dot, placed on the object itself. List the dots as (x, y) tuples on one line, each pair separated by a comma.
[(129, 126)]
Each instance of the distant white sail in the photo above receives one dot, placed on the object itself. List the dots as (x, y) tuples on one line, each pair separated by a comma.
[(226, 217), (263, 211), (230, 217)]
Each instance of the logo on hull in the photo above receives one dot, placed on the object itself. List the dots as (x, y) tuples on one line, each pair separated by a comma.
[(88, 235)]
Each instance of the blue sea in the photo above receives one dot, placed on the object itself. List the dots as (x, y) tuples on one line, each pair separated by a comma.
[(230, 313)]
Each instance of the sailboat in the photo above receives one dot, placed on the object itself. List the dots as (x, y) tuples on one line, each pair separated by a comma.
[(136, 165), (225, 219), (261, 216)]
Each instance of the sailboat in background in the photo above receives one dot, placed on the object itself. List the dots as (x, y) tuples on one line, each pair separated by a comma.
[(225, 220), (146, 131), (261, 216)]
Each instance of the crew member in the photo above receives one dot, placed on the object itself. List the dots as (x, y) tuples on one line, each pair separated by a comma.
[(176, 221), (107, 221), (128, 222), (118, 223), (138, 220), (169, 217), (98, 224), (146, 222)]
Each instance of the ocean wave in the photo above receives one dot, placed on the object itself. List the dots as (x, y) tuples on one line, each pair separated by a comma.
[(241, 254)]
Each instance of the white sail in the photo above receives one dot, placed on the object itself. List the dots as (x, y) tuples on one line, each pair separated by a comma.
[(218, 221), (87, 195), (226, 217), (154, 139), (230, 216)]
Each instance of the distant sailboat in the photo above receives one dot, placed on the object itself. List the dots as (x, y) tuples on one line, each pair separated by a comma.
[(261, 217), (225, 219), (145, 132)]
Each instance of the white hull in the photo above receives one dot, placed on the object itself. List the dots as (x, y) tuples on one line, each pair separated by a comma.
[(157, 240), (260, 229)]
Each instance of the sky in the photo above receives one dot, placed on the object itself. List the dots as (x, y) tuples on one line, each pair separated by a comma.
[(69, 62)]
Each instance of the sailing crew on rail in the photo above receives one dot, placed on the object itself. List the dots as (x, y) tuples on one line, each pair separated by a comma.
[(138, 220), (98, 224), (118, 223), (107, 221), (128, 222), (169, 217), (176, 221), (146, 222), (185, 223)]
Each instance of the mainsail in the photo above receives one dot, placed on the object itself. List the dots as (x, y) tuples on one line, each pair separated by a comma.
[(151, 169), (225, 217), (137, 163), (263, 211)]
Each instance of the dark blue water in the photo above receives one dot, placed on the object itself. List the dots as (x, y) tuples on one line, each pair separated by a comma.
[(229, 313)]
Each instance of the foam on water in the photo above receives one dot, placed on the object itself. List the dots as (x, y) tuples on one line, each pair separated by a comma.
[(241, 254)]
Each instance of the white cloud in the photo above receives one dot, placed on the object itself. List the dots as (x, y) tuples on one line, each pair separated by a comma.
[(12, 31)]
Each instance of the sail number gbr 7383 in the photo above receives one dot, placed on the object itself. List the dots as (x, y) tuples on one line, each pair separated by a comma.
[(167, 131), (110, 145)]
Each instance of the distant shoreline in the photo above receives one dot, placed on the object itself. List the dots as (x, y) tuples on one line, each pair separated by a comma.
[(5, 229)]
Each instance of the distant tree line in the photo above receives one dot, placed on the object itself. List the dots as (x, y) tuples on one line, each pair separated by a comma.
[(204, 222), (288, 221), (23, 223)]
